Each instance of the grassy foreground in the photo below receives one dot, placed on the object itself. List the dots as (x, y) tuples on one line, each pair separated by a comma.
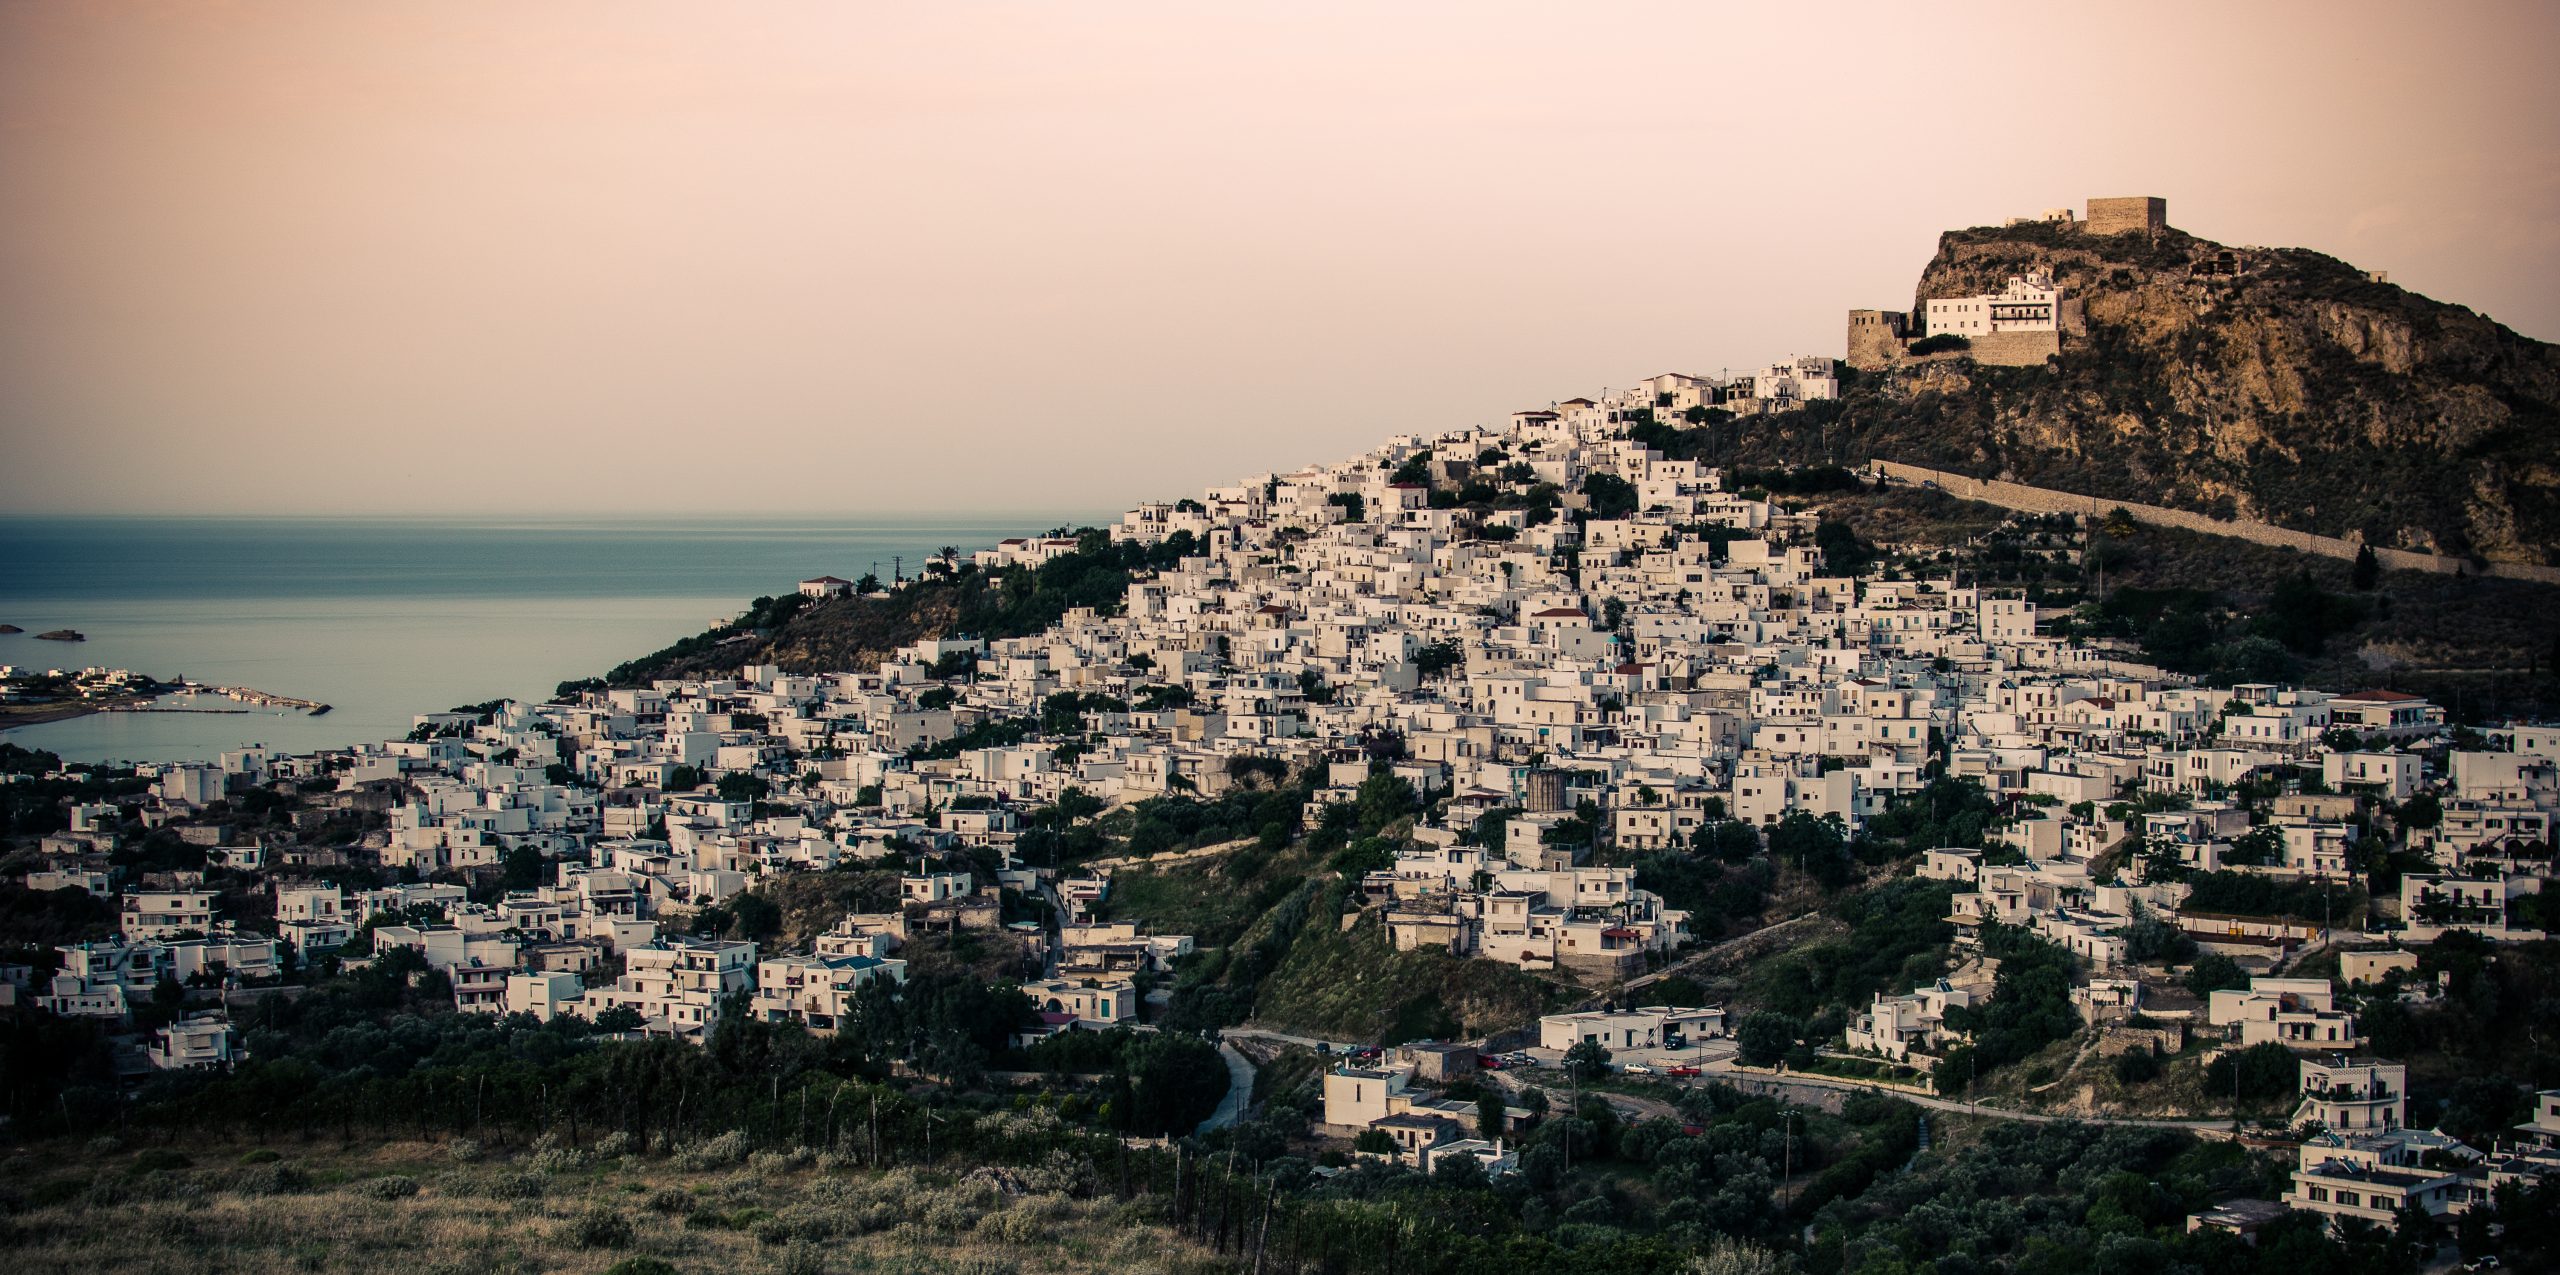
[(425, 1208)]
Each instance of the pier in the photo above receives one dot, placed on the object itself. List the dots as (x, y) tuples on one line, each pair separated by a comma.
[(258, 698)]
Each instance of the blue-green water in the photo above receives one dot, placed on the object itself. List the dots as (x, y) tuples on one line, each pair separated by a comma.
[(385, 618)]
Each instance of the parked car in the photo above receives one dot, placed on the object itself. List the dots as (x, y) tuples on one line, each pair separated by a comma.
[(1683, 1069), (1637, 1069), (1490, 1062)]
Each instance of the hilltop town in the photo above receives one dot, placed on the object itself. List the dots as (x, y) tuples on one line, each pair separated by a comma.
[(1651, 777)]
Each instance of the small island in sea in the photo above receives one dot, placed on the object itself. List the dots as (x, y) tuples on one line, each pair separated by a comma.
[(62, 635)]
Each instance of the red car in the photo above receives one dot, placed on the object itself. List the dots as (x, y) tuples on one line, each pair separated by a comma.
[(1489, 1062), (1683, 1070)]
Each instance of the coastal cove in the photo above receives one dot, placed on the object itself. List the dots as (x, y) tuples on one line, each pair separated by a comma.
[(386, 618)]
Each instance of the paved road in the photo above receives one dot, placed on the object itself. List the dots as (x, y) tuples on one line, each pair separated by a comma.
[(1259, 1033), (1803, 1084), (1630, 1106), (1643, 1108), (1239, 1091)]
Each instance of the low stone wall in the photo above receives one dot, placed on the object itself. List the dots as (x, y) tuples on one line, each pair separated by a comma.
[(2044, 500)]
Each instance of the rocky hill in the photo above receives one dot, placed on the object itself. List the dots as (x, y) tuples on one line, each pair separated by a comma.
[(2279, 385)]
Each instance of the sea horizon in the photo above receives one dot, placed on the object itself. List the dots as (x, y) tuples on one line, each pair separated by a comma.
[(387, 616)]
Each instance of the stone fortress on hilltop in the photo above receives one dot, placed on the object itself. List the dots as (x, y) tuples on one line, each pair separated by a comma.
[(2021, 325)]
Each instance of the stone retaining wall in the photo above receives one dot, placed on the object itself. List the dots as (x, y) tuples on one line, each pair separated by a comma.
[(2044, 500)]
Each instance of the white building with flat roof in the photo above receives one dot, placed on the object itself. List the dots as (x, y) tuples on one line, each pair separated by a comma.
[(2031, 303), (677, 985), (1653, 1027)]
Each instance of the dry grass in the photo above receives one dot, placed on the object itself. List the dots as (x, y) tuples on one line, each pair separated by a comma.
[(75, 1208)]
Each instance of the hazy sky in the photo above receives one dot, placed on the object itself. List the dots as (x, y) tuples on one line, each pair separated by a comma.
[(339, 255)]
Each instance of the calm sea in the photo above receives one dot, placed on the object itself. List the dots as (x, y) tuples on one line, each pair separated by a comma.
[(385, 618)]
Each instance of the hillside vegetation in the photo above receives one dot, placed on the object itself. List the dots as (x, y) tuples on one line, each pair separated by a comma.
[(1352, 985), (2192, 602), (803, 635)]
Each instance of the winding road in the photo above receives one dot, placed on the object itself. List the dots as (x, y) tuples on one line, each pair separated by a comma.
[(1239, 1091)]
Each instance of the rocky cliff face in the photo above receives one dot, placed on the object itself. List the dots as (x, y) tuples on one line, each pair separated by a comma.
[(2278, 385)]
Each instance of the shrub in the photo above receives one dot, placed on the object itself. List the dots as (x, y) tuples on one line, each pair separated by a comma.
[(260, 1155), (1013, 1226), (271, 1179), (462, 1151), (393, 1187), (641, 1266), (715, 1153), (671, 1201), (803, 1258), (1940, 341), (526, 1185), (157, 1160), (601, 1227), (770, 1162), (551, 1157), (949, 1212), (2136, 1066)]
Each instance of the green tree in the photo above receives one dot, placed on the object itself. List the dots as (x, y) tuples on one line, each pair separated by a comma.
[(2266, 1073), (2214, 972), (1384, 797), (741, 786), (1610, 496), (1843, 553), (1817, 847), (1588, 1059), (1765, 1036), (1728, 839), (2367, 572)]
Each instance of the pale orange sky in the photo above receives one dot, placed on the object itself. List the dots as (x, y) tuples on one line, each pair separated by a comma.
[(339, 256)]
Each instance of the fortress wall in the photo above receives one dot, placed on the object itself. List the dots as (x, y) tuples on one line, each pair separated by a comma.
[(2116, 216), (2016, 349)]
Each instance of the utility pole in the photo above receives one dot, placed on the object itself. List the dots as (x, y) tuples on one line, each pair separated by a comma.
[(1787, 1169), (2234, 1056)]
